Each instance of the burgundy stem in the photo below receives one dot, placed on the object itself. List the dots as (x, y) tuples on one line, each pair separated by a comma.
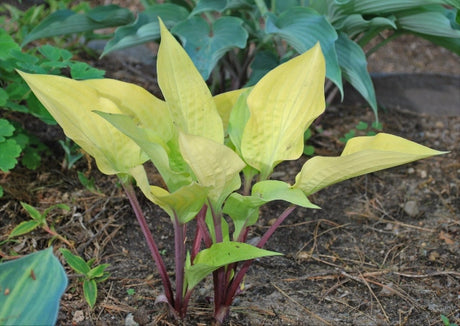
[(240, 275), (129, 190), (199, 233), (179, 241)]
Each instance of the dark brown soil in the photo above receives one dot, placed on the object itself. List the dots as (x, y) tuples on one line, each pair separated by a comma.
[(366, 258)]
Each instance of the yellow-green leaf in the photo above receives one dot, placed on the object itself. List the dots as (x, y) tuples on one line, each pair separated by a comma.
[(147, 110), (215, 165), (191, 104), (184, 203), (71, 104), (361, 155), (282, 105), (225, 102)]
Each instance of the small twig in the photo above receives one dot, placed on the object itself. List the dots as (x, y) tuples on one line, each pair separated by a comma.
[(362, 279), (308, 311), (390, 221)]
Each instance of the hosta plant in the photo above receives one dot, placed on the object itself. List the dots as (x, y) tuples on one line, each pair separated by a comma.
[(215, 155)]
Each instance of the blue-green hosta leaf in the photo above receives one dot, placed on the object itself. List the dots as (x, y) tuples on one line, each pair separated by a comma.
[(218, 5), (302, 28), (452, 44), (63, 22), (146, 27), (353, 62), (31, 288), (355, 24), (263, 62), (428, 21), (206, 44), (386, 7), (221, 254)]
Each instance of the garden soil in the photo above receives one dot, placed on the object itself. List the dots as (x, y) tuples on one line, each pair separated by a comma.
[(383, 250)]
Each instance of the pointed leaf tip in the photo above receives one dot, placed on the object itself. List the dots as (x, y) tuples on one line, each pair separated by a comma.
[(360, 156)]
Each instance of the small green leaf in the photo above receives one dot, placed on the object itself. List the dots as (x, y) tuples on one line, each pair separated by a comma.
[(270, 190), (90, 292), (76, 262), (81, 70), (6, 128), (3, 100), (33, 212), (243, 210), (308, 150), (23, 228), (221, 254), (9, 151), (362, 125), (97, 271), (7, 44)]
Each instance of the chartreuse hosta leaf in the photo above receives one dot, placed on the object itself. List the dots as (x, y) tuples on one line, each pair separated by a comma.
[(282, 105), (361, 155), (71, 104), (221, 254), (214, 165), (191, 104), (31, 288)]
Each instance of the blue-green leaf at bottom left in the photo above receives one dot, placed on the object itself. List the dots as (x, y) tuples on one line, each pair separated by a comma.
[(30, 289)]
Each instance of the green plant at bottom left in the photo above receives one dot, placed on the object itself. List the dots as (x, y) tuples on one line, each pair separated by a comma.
[(30, 289)]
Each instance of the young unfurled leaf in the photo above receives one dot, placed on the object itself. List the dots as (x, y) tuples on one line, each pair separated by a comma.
[(215, 165)]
